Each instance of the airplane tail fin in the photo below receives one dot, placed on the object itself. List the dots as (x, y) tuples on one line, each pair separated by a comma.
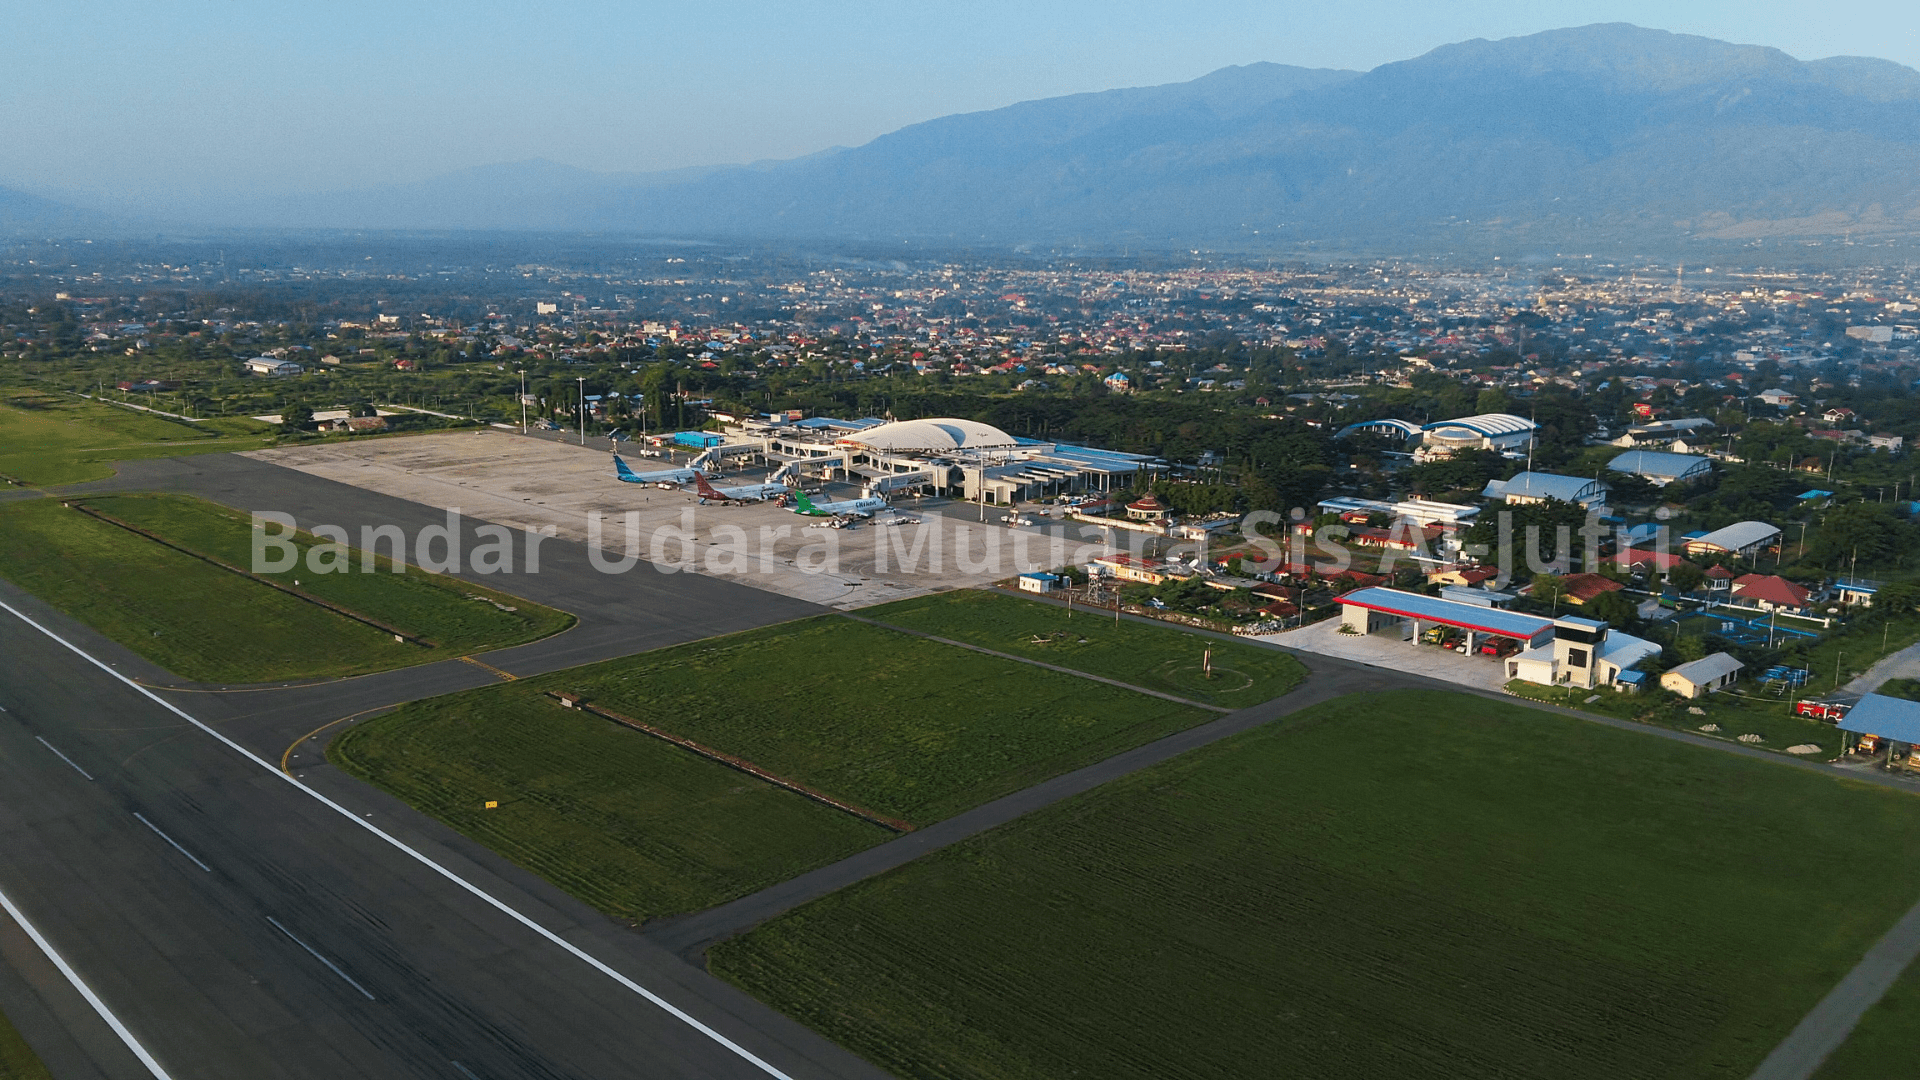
[(804, 504), (700, 484), (620, 470)]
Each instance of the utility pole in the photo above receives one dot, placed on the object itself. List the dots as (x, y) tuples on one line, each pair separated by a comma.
[(523, 401), (582, 380)]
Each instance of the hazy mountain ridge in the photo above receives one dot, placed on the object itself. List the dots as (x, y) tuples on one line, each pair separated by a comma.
[(1592, 134)]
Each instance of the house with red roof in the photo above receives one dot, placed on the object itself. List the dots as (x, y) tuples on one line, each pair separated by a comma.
[(1580, 588), (1771, 593)]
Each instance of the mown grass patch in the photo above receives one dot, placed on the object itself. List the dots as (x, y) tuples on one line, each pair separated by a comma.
[(49, 439), (631, 824), (1154, 657), (896, 724), (208, 624), (457, 615), (1413, 884)]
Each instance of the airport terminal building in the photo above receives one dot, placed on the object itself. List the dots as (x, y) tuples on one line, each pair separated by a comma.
[(957, 458)]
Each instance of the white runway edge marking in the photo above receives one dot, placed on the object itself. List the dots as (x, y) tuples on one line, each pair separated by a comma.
[(485, 897), (64, 758), (315, 953), (86, 991), (171, 840)]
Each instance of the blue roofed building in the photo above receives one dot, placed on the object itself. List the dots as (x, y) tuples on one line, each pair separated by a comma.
[(1884, 717), (1533, 487), (1661, 467)]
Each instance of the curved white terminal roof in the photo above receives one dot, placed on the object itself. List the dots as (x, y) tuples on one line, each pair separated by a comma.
[(1490, 425), (941, 434)]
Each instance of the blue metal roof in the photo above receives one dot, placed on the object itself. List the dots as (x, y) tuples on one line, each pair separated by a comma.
[(1539, 485), (1889, 717), (1660, 463), (1450, 612)]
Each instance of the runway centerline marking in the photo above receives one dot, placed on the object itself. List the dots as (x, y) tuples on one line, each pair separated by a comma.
[(86, 991), (315, 953), (65, 758), (476, 891), (171, 840)]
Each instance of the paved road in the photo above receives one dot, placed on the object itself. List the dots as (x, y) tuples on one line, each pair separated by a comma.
[(1904, 664)]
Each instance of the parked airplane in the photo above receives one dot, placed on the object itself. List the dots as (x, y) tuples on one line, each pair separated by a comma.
[(664, 476), (742, 494), (856, 507)]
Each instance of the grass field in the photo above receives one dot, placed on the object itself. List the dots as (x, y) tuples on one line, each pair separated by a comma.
[(50, 439), (1416, 884), (1746, 710), (905, 727), (204, 623), (456, 615), (1883, 1044), (631, 824), (1157, 658)]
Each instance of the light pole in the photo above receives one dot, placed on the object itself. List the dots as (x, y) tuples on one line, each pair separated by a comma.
[(523, 401), (582, 380)]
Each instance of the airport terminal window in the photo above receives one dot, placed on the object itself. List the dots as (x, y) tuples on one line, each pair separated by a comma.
[(1576, 658)]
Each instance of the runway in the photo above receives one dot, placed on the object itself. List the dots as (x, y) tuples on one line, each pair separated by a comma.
[(237, 925)]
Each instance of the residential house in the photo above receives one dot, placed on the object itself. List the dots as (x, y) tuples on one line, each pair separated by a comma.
[(1770, 593)]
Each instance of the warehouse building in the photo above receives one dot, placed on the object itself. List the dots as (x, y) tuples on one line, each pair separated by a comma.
[(1661, 467), (1742, 539), (1535, 487)]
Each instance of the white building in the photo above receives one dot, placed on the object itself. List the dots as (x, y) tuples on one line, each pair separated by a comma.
[(1703, 676), (1583, 653), (270, 365), (1743, 539), (1502, 432)]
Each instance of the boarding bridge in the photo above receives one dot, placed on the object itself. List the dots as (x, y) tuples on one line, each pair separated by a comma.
[(886, 483), (712, 456)]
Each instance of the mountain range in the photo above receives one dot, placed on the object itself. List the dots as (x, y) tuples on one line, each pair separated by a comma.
[(1606, 134)]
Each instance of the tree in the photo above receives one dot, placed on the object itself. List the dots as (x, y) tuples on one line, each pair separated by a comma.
[(1612, 608), (296, 417), (1548, 588), (1685, 576)]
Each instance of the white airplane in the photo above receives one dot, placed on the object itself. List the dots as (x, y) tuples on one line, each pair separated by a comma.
[(668, 477), (856, 507), (742, 494)]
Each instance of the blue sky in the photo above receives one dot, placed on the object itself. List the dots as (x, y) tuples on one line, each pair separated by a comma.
[(126, 100)]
